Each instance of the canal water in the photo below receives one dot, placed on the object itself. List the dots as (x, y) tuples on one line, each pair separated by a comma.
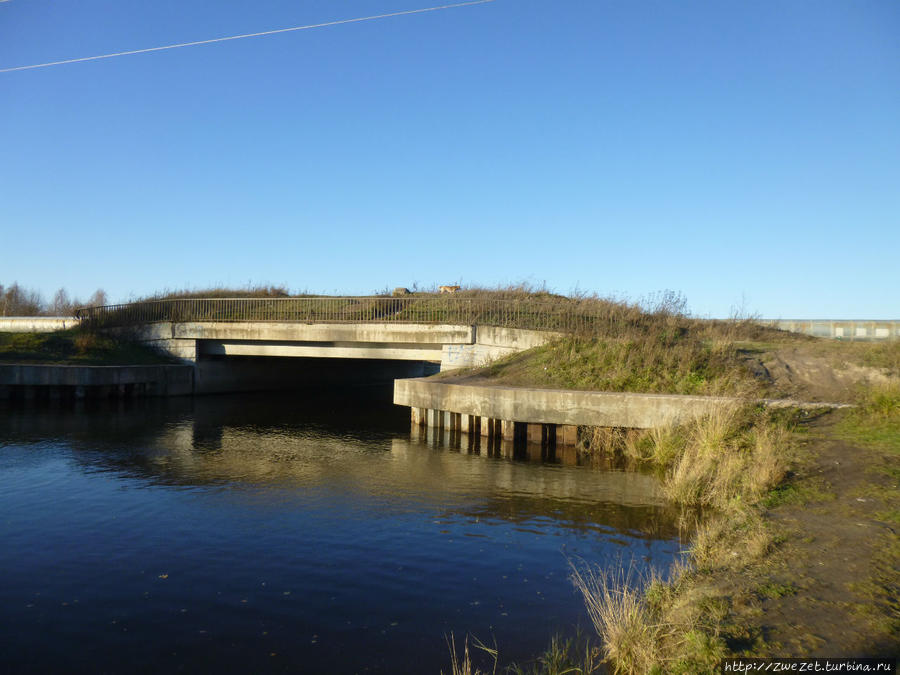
[(280, 533)]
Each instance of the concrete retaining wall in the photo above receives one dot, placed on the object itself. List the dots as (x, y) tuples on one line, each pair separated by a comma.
[(36, 324), (159, 380), (839, 329), (492, 343), (553, 406), (548, 418)]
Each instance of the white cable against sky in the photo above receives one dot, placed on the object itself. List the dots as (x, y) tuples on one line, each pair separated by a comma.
[(249, 35)]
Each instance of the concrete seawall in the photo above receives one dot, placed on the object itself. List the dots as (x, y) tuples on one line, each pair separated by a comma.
[(28, 381)]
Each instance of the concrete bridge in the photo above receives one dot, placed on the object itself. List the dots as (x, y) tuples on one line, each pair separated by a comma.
[(236, 344), (234, 356), (254, 343)]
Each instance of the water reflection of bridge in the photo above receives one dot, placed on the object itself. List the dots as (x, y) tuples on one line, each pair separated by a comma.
[(243, 447)]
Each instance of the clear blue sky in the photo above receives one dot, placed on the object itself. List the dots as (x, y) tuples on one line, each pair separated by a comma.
[(743, 153)]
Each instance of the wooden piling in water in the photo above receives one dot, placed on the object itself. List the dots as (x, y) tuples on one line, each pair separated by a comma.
[(547, 436)]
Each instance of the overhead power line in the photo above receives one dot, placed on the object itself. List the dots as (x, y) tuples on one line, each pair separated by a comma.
[(248, 35)]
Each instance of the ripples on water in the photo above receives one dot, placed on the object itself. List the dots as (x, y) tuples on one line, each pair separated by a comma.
[(263, 533)]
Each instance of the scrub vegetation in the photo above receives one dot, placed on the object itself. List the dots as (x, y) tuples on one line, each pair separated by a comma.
[(250, 291)]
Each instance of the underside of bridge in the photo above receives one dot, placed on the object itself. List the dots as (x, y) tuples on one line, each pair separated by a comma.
[(220, 374), (396, 351)]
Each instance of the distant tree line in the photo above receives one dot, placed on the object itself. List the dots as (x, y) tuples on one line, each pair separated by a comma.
[(16, 300)]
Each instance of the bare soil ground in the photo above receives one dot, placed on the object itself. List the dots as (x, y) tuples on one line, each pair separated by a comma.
[(831, 587), (800, 373)]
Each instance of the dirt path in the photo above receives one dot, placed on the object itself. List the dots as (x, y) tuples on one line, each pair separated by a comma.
[(798, 372), (831, 586)]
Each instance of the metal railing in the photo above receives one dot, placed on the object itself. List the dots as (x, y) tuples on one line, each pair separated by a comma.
[(430, 310), (569, 315)]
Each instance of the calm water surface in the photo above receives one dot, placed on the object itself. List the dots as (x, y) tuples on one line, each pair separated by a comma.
[(263, 533)]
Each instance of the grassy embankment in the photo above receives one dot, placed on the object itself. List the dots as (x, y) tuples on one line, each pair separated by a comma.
[(796, 552), (77, 347)]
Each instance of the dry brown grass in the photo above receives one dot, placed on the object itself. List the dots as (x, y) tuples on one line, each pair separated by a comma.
[(730, 540), (659, 319), (463, 665), (618, 610), (728, 459), (648, 624), (767, 464), (666, 443), (259, 291), (731, 456), (709, 468)]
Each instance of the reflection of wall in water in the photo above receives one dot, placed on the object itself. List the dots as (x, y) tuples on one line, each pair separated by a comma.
[(531, 477), (397, 470), (252, 455), (232, 441), (100, 421), (522, 447)]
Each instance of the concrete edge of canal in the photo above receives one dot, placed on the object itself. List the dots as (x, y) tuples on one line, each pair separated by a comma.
[(31, 381), (549, 415)]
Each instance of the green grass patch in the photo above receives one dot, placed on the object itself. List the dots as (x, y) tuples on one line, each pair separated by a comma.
[(889, 516), (661, 362), (875, 423), (796, 494)]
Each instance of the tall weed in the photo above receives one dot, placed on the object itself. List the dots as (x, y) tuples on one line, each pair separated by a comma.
[(616, 605)]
